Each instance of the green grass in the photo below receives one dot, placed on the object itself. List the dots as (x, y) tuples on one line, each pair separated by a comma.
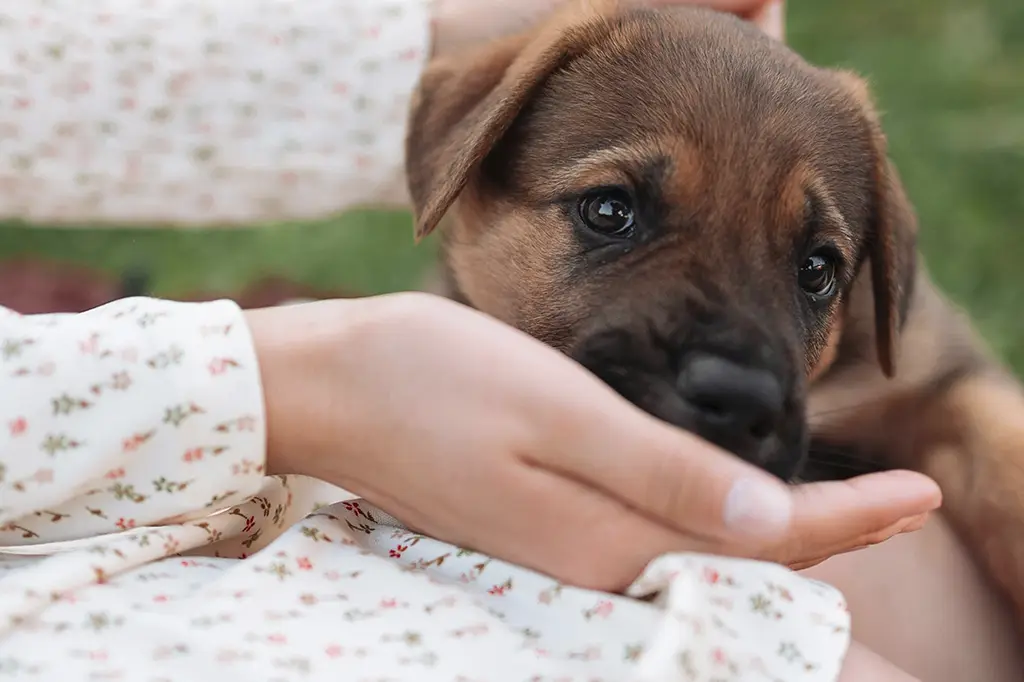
[(363, 251), (949, 75)]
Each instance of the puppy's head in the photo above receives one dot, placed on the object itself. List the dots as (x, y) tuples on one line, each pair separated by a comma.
[(673, 199)]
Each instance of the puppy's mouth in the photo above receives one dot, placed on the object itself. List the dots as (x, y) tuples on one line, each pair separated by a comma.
[(743, 409)]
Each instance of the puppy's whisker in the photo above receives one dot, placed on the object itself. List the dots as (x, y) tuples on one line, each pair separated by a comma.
[(838, 458), (858, 467), (838, 454), (837, 462), (843, 409)]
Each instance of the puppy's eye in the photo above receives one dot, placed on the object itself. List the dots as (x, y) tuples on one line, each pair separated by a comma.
[(817, 276), (608, 212)]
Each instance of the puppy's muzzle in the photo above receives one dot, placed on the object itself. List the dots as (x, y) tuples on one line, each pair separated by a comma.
[(737, 407), (721, 376)]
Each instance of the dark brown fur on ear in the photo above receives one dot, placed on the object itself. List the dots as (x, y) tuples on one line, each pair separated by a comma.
[(892, 241), (466, 103)]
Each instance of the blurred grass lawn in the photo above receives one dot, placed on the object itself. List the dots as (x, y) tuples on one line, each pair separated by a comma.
[(949, 75)]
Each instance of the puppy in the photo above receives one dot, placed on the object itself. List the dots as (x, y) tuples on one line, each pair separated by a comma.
[(712, 226)]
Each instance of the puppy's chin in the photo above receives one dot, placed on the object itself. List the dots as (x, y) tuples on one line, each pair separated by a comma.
[(782, 454)]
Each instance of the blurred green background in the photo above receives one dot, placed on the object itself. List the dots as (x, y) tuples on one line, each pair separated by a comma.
[(948, 75)]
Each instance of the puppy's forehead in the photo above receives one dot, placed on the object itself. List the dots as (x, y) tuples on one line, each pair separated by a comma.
[(708, 91)]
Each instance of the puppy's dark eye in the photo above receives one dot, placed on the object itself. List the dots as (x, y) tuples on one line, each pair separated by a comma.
[(817, 276), (608, 212)]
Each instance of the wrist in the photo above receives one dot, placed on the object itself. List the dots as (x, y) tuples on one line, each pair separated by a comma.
[(317, 363), (294, 347)]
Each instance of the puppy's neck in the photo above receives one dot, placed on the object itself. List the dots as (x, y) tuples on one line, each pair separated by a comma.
[(447, 285)]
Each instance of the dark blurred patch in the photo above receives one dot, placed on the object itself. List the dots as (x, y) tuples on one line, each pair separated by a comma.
[(35, 286), (31, 286)]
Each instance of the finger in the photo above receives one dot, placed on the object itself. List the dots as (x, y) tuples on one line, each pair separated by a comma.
[(862, 504), (770, 17), (574, 533), (542, 521), (917, 523), (832, 517), (670, 475), (741, 7), (908, 525), (602, 544), (913, 524)]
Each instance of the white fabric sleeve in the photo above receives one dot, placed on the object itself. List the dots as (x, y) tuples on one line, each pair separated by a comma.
[(204, 112), (127, 415)]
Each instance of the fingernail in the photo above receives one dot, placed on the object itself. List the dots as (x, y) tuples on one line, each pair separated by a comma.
[(758, 508)]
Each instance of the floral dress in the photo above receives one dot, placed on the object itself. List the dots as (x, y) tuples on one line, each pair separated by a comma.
[(139, 537)]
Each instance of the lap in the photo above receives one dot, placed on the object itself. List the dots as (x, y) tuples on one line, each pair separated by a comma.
[(919, 602), (263, 591)]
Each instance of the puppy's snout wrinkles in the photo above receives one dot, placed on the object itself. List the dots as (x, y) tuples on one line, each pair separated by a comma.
[(735, 406)]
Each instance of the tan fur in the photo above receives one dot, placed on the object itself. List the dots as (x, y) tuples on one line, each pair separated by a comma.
[(734, 137), (830, 352), (895, 231)]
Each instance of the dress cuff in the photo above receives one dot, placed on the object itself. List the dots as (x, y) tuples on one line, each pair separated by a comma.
[(127, 415)]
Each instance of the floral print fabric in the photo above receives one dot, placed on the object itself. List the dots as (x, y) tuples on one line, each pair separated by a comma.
[(178, 380), (204, 112)]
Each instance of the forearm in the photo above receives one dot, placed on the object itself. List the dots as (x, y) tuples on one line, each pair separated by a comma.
[(208, 113)]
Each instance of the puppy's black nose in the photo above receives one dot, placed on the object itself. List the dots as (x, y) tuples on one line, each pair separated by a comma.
[(736, 407)]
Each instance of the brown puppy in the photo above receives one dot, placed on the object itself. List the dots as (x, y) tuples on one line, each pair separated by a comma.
[(712, 226)]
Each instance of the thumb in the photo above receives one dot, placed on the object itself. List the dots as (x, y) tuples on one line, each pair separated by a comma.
[(770, 18), (672, 476), (837, 516)]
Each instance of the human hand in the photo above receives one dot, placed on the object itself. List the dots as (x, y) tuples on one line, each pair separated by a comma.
[(472, 432), (458, 23)]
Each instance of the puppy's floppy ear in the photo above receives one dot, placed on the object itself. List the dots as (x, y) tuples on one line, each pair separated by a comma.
[(467, 102), (892, 241)]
